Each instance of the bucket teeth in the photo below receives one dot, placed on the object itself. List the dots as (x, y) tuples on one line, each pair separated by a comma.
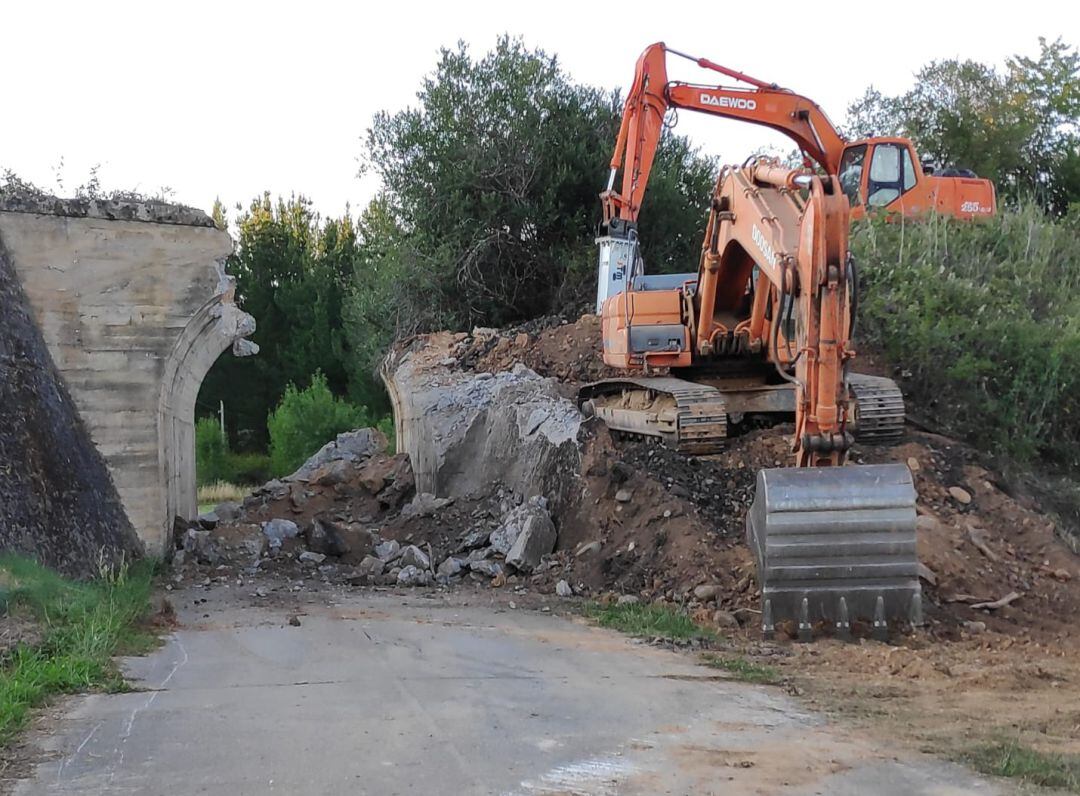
[(881, 627), (915, 616), (843, 624), (836, 544), (806, 632)]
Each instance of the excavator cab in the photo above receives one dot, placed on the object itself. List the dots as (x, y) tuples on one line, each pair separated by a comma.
[(885, 174), (877, 174)]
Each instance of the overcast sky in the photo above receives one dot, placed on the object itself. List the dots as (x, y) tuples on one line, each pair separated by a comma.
[(232, 98)]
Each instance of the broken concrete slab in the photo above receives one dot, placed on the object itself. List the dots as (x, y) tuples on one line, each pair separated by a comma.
[(413, 576), (465, 432), (424, 504), (325, 537), (451, 567), (536, 540), (278, 530), (350, 446), (516, 521), (388, 550), (413, 556)]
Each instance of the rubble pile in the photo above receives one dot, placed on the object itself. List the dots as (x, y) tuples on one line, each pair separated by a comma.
[(505, 483), (351, 514)]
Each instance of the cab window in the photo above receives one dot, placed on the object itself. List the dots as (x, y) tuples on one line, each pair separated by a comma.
[(851, 166), (909, 170), (892, 173)]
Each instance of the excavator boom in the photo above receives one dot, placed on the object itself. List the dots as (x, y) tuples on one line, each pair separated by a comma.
[(897, 183)]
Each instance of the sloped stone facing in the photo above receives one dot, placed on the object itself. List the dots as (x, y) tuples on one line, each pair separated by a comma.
[(58, 503)]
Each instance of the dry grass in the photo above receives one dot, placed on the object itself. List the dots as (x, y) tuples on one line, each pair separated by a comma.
[(220, 491)]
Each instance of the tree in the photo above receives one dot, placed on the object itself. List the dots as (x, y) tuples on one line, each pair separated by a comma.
[(1020, 127), (305, 420), (372, 314), (492, 183), (220, 215), (292, 272)]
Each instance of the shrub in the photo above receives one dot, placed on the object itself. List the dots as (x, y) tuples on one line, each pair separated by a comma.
[(211, 452), (247, 468), (983, 320), (305, 420), (214, 461)]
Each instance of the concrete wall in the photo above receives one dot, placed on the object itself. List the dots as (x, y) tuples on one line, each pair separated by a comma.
[(134, 305)]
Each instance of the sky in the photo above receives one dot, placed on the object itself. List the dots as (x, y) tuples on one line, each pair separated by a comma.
[(229, 98)]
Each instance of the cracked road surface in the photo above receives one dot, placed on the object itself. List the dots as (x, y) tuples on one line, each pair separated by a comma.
[(406, 694)]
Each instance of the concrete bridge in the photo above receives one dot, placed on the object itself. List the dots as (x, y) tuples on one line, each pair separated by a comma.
[(134, 305)]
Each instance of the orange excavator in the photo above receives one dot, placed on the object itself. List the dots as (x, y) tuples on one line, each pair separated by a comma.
[(764, 327)]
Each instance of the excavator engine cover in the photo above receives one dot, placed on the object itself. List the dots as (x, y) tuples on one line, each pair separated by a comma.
[(834, 545)]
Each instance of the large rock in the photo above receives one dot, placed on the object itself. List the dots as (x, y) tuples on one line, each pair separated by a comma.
[(352, 446), (536, 540), (465, 432), (516, 522), (278, 530)]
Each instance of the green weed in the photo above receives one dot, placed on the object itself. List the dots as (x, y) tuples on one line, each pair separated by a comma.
[(85, 624), (1010, 759), (744, 670), (649, 620)]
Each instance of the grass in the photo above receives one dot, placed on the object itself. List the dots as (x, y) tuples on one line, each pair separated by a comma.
[(744, 670), (985, 321), (219, 492), (649, 620), (85, 625), (1010, 759)]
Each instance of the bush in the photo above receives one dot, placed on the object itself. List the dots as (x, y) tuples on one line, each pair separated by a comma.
[(305, 420), (984, 321), (247, 468), (215, 462), (211, 451)]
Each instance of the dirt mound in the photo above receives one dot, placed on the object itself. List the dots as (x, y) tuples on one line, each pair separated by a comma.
[(569, 352), (681, 523)]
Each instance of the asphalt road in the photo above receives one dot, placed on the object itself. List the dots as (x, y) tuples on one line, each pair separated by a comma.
[(402, 694)]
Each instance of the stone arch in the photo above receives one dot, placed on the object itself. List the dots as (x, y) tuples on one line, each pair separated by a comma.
[(217, 325)]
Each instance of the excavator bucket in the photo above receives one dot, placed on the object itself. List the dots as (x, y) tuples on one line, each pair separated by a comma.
[(834, 545)]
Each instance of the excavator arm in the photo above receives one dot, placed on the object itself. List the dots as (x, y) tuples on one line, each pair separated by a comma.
[(652, 95), (795, 249)]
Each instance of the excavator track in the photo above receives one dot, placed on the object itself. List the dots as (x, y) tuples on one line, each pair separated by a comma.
[(879, 409), (688, 417), (693, 417)]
